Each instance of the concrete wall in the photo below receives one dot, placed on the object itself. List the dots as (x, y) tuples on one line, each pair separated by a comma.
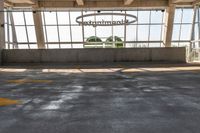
[(94, 55), (0, 57)]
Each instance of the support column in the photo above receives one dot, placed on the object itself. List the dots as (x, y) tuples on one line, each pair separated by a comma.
[(169, 22), (14, 35), (39, 29), (2, 30), (192, 37)]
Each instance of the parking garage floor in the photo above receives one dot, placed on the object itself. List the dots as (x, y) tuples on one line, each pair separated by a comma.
[(108, 98)]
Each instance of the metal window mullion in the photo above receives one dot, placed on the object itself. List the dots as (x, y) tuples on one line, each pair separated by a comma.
[(137, 28), (83, 29), (26, 29), (161, 34), (70, 29), (58, 28), (198, 10), (45, 30), (180, 28), (113, 39), (125, 30), (149, 27), (8, 29), (95, 28)]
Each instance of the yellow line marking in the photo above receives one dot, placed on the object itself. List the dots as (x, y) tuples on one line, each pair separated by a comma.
[(6, 102), (23, 81)]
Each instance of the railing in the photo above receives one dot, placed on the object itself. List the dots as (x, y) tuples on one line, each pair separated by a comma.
[(194, 51)]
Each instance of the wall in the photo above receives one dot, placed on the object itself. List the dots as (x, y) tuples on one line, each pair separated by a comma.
[(0, 57), (2, 33), (94, 55)]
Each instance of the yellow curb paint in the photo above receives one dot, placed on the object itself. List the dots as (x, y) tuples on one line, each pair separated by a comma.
[(22, 81), (6, 102)]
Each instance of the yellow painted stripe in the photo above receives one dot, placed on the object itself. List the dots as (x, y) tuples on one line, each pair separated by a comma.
[(6, 102), (22, 81)]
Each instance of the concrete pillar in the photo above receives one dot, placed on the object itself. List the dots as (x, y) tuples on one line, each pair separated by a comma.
[(14, 35), (39, 29), (2, 32), (169, 22)]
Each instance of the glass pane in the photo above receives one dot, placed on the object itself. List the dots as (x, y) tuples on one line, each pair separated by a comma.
[(196, 32), (132, 12), (155, 32), (33, 46), (50, 18), (184, 44), (10, 34), (31, 33), (156, 16), (118, 31), (77, 45), (104, 31), (176, 30), (143, 32), (21, 33), (175, 44), (154, 44), (18, 18), (63, 17), (5, 17), (65, 45), (44, 30), (64, 32), (178, 14), (23, 46), (187, 15), (77, 33), (185, 32), (6, 33), (29, 18), (143, 16), (142, 45), (89, 31), (73, 16), (131, 33), (52, 33), (52, 46)]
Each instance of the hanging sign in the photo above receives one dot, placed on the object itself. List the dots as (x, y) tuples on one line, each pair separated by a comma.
[(119, 19)]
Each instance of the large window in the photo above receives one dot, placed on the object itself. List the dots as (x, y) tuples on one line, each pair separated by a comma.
[(182, 27), (61, 30)]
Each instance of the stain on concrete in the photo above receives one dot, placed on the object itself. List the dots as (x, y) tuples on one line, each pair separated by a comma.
[(150, 101)]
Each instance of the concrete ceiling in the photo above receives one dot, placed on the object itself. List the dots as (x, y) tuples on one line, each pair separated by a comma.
[(95, 3), (183, 1)]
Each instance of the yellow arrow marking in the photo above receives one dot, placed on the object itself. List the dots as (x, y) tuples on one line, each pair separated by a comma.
[(22, 81), (6, 102)]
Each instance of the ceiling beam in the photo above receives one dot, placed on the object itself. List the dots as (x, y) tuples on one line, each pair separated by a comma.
[(177, 1), (182, 1), (128, 2), (196, 2), (21, 1), (105, 4), (80, 2), (8, 4)]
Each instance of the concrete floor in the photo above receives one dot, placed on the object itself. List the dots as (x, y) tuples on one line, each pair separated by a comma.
[(119, 98)]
